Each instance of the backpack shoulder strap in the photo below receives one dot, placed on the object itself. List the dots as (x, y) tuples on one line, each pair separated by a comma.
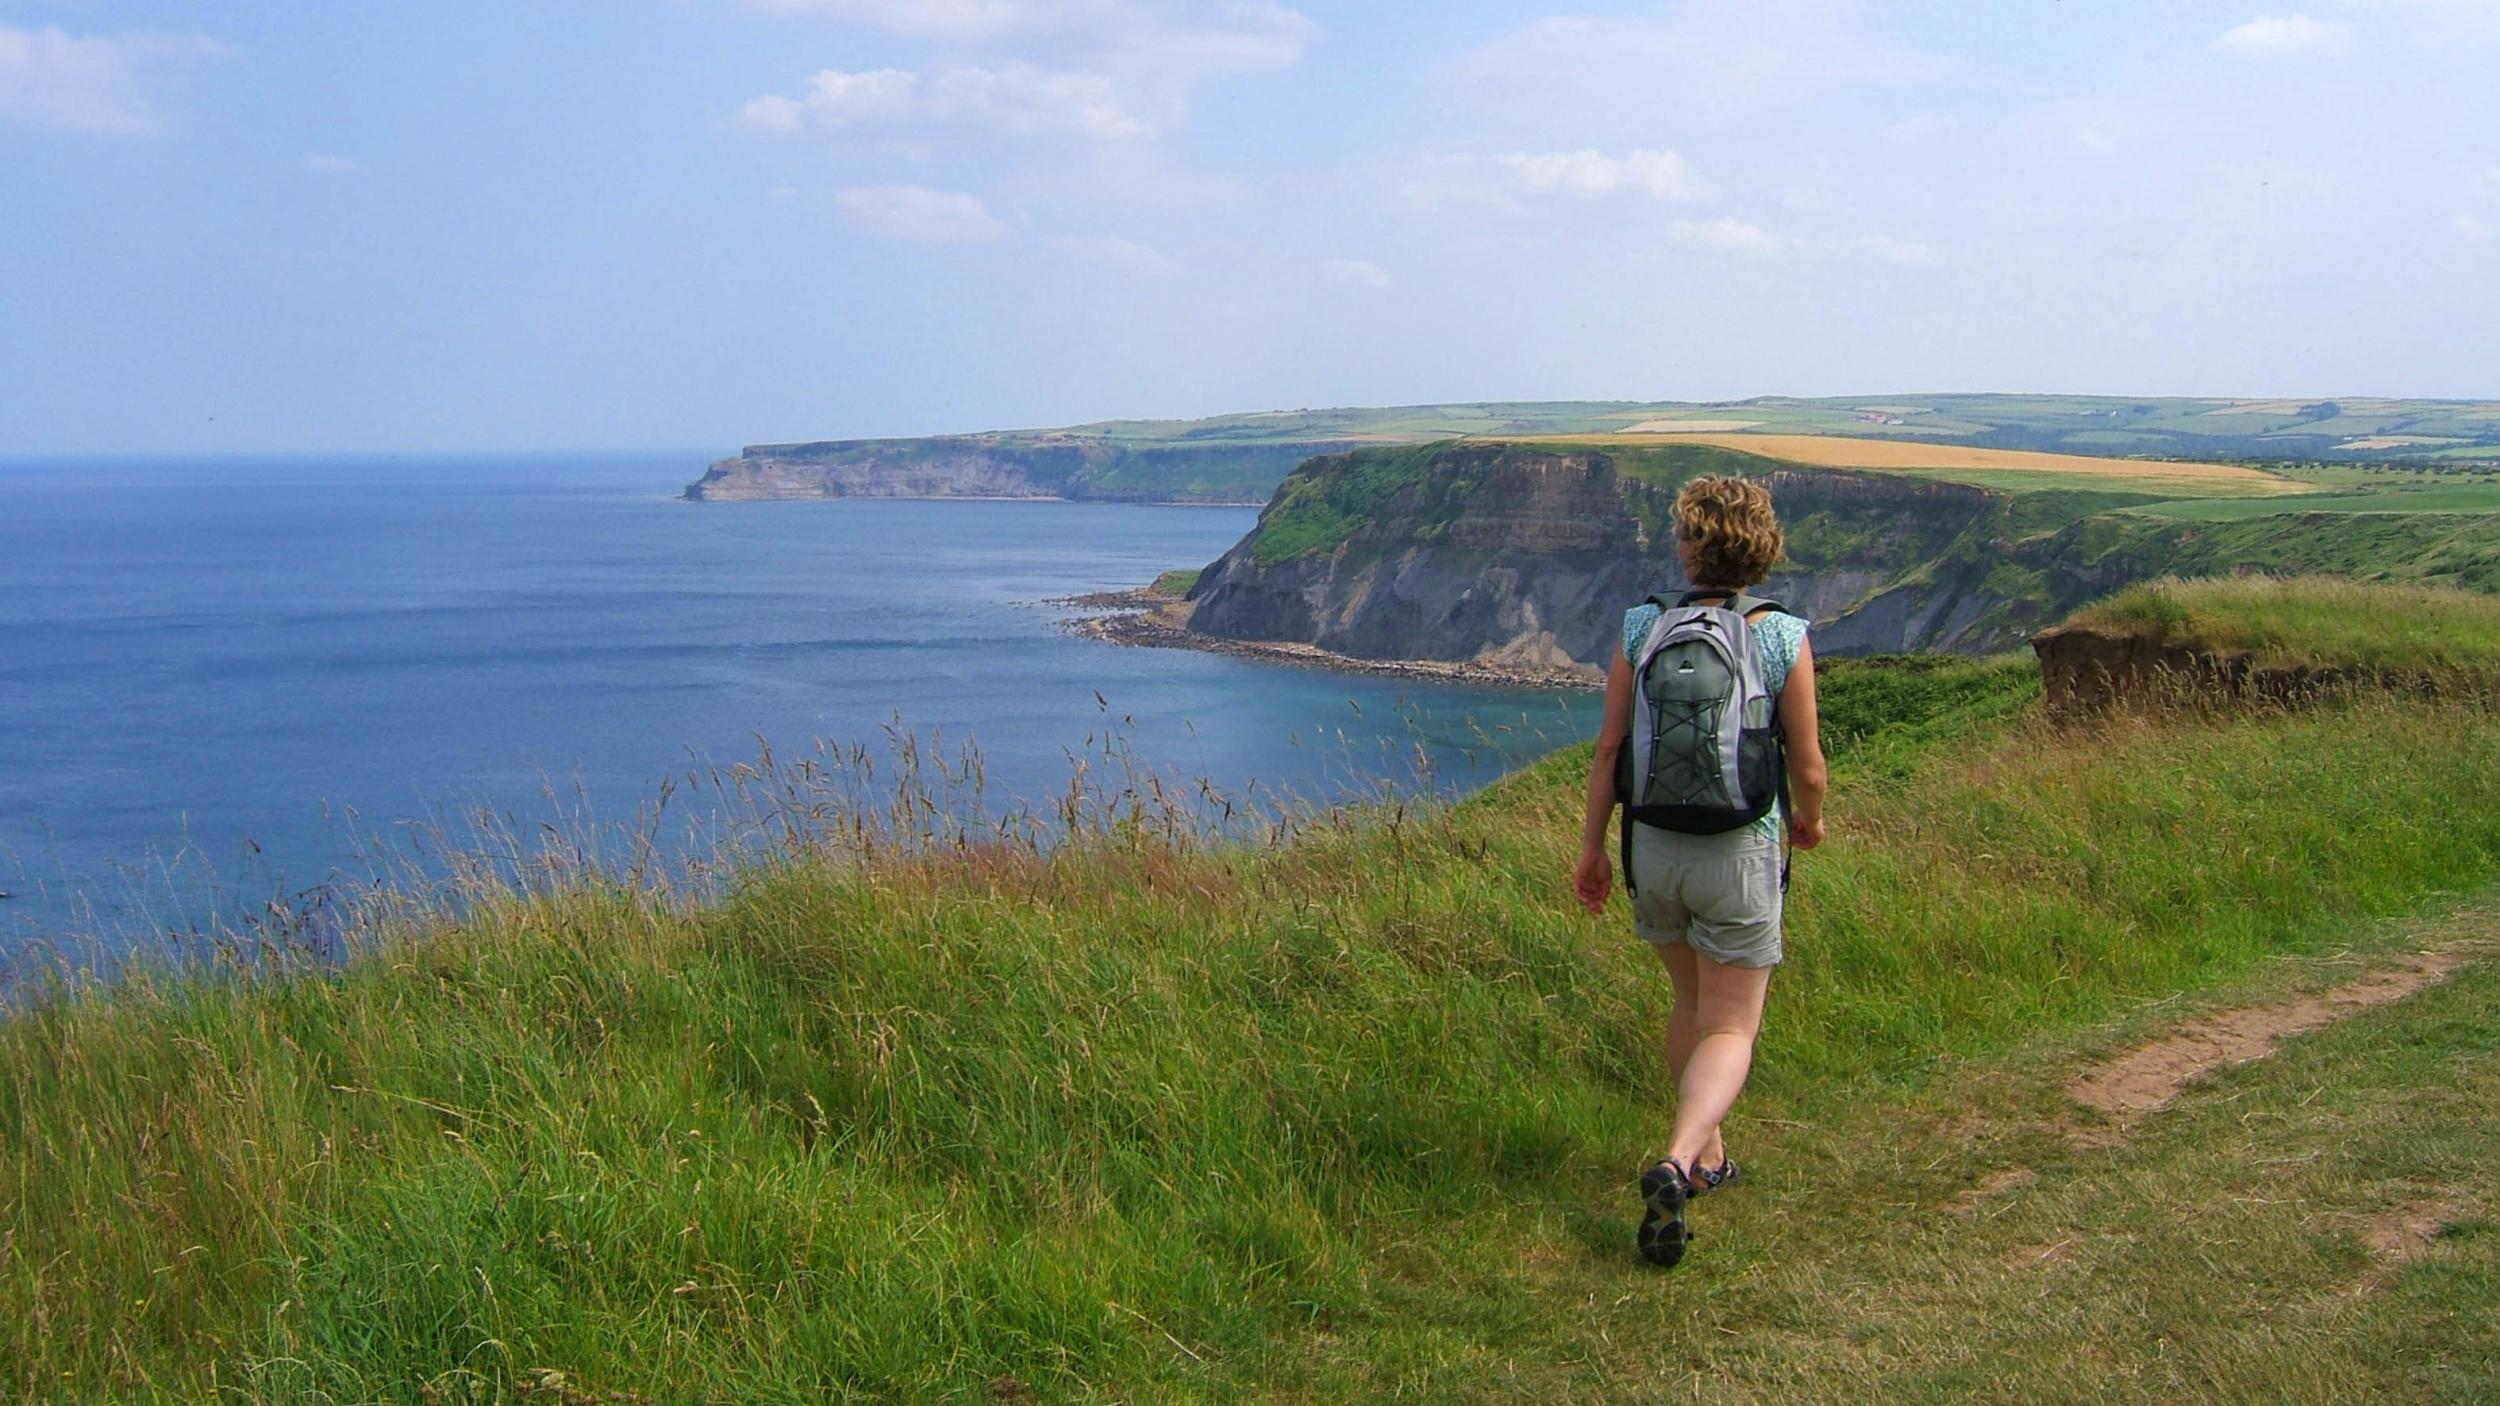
[(1740, 602), (1649, 641)]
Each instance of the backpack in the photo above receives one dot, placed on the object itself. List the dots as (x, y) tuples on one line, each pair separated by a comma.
[(1705, 754)]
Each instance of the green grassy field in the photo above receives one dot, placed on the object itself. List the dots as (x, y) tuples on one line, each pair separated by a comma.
[(2160, 427), (2382, 475), (1348, 1113), (1241, 458), (2154, 485), (2435, 497), (2459, 549), (1422, 488)]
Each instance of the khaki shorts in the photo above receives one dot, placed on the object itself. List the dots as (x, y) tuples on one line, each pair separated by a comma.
[(1720, 893)]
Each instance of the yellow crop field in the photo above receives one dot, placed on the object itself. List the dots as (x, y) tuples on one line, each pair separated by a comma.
[(1911, 456)]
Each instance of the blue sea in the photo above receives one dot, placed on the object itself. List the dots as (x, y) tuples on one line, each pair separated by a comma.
[(224, 682)]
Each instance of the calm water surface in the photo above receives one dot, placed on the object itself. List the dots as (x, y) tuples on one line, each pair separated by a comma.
[(210, 666)]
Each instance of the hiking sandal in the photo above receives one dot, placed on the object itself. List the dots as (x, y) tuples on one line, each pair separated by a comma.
[(1706, 1180), (1664, 1191)]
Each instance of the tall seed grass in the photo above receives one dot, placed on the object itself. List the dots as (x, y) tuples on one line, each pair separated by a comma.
[(902, 1124), (2315, 621)]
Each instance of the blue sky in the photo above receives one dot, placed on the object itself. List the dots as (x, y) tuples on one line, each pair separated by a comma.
[(697, 223)]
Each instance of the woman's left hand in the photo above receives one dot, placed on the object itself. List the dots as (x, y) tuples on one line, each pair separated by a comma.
[(1593, 880)]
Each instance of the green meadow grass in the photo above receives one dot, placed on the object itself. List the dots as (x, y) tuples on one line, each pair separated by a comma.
[(2430, 497), (2313, 620), (2146, 481), (2399, 474), (1344, 1113)]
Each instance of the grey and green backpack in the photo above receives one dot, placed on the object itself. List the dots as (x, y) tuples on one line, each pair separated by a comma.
[(1705, 755)]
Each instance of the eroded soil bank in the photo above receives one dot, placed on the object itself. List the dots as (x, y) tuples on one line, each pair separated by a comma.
[(2085, 668)]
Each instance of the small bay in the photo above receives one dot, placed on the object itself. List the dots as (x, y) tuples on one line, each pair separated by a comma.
[(221, 679)]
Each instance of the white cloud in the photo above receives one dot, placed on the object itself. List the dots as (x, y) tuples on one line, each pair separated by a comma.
[(2110, 126), (2280, 34), (1121, 253), (1593, 175), (1701, 62), (88, 84), (1266, 38), (1729, 235), (917, 215), (2471, 225), (1911, 128), (1726, 234), (1359, 272), (936, 19), (782, 194), (1016, 98), (1119, 68), (1244, 34), (1899, 251), (322, 163), (1520, 182)]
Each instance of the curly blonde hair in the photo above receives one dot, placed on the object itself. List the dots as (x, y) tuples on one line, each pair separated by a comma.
[(1731, 537)]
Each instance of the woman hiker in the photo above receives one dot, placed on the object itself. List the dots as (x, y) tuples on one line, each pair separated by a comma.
[(1709, 902)]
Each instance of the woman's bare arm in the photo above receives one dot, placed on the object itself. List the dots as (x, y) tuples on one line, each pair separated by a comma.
[(1801, 728), (1593, 879)]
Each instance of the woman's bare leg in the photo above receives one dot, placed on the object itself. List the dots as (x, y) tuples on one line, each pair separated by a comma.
[(1684, 1030), (1726, 1015)]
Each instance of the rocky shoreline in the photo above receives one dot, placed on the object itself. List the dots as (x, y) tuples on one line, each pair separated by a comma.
[(1150, 619)]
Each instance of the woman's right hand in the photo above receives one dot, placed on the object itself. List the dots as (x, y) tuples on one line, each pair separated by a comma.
[(1805, 832), (1594, 880)]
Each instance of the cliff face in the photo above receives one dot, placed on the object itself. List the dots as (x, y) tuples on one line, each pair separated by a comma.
[(766, 479), (1529, 557), (1039, 465), (1517, 573)]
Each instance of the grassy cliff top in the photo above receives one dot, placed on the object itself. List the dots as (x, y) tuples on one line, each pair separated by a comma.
[(2311, 620), (2359, 429), (1342, 1113), (1422, 487)]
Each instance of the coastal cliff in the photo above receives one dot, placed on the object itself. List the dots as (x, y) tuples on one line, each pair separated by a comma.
[(1242, 458), (1008, 465), (1524, 557)]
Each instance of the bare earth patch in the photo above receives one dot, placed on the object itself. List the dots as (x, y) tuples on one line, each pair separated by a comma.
[(1998, 1183), (2153, 1076), (2034, 1256), (2407, 1232)]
